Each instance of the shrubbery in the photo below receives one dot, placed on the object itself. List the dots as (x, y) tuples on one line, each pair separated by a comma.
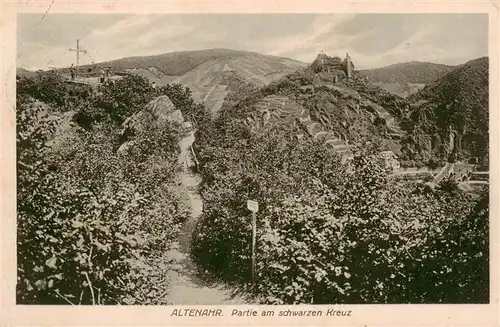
[(116, 101), (331, 233), (94, 222)]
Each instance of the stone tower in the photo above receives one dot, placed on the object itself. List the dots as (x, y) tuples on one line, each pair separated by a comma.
[(348, 64)]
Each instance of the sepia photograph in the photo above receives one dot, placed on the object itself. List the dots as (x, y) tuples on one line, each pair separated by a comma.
[(252, 159)]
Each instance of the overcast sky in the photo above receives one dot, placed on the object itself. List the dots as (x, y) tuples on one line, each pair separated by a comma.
[(372, 40)]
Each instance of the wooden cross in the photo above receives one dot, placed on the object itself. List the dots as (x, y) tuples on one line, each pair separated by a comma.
[(78, 50)]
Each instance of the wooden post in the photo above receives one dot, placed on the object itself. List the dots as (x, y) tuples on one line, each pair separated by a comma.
[(253, 206), (254, 238)]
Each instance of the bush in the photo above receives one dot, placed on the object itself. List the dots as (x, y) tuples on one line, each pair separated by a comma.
[(64, 238), (48, 87), (93, 222), (124, 97), (331, 233)]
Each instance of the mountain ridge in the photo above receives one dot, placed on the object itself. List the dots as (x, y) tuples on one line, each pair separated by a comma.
[(408, 72), (180, 62)]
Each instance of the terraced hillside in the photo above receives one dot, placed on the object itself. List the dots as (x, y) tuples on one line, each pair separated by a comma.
[(276, 109), (206, 72), (338, 115), (207, 81)]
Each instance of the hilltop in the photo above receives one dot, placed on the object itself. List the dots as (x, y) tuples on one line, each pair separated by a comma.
[(180, 62), (406, 78), (320, 103), (449, 118)]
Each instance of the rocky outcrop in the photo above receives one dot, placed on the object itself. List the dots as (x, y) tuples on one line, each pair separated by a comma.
[(157, 113)]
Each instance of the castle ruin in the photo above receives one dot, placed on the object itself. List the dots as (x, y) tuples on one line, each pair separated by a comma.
[(334, 68)]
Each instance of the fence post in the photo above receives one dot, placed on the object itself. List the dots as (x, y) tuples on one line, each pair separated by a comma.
[(254, 237)]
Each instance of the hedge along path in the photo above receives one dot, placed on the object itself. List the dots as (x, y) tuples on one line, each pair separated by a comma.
[(186, 283)]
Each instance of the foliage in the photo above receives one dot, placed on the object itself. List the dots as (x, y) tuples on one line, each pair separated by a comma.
[(51, 88), (329, 232), (93, 222), (124, 97), (182, 99), (116, 101)]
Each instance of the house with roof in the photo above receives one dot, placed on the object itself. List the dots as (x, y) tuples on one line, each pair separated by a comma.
[(389, 160)]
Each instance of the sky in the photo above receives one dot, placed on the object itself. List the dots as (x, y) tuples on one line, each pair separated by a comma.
[(372, 40)]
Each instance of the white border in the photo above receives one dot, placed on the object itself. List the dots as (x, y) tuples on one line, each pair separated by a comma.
[(386, 315)]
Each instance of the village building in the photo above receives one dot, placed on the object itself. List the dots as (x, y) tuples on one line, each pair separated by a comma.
[(389, 160)]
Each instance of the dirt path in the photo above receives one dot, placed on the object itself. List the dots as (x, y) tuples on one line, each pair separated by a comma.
[(187, 285)]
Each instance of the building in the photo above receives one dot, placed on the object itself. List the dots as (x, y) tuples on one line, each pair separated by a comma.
[(336, 62), (327, 64), (390, 160), (462, 171), (349, 66)]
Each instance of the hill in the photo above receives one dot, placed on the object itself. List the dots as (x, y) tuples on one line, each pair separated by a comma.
[(280, 146), (180, 62), (21, 72), (449, 119), (406, 78), (212, 80), (311, 106), (207, 72), (408, 72)]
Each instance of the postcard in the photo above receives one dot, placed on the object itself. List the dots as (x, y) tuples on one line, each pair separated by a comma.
[(250, 163)]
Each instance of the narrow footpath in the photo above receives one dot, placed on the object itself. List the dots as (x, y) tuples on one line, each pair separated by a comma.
[(187, 285)]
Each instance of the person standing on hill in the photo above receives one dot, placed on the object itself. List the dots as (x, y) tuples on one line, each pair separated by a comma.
[(72, 72), (102, 73)]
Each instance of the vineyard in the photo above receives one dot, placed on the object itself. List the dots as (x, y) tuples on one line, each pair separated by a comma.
[(208, 79)]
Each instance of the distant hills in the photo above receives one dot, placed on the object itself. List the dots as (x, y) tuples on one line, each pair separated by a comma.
[(408, 72), (444, 115), (208, 73), (24, 72), (181, 62), (406, 78)]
